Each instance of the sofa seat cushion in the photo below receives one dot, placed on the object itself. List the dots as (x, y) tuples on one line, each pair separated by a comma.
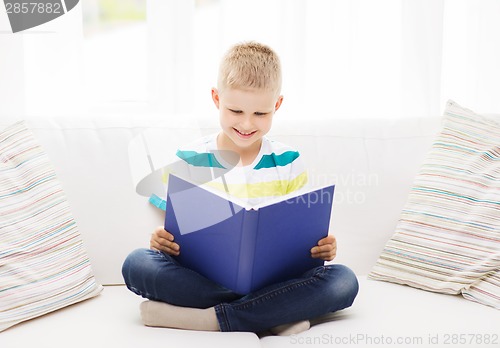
[(380, 310), (112, 320), (390, 315)]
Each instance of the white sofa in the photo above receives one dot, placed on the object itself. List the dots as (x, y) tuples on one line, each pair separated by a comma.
[(373, 163)]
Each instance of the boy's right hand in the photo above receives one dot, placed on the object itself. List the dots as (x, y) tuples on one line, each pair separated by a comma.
[(162, 240)]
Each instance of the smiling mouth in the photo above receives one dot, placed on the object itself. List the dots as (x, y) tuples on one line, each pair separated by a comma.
[(244, 134)]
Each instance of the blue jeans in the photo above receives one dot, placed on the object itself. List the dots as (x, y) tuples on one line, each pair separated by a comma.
[(159, 277)]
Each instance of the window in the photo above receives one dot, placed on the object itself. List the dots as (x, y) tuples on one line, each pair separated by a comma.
[(115, 53), (341, 58)]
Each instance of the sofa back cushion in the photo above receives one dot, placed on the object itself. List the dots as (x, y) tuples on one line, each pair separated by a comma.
[(98, 161)]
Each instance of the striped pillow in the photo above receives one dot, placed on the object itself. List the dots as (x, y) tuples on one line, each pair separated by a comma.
[(43, 266), (448, 236), (486, 290)]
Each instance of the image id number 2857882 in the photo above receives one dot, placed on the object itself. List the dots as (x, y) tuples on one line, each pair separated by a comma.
[(470, 339), (33, 7)]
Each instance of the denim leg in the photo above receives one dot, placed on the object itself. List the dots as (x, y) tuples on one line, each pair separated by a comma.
[(159, 277), (319, 291)]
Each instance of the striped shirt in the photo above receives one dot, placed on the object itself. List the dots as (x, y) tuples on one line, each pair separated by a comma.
[(276, 171)]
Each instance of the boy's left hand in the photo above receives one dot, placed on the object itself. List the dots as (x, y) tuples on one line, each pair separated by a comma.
[(326, 249)]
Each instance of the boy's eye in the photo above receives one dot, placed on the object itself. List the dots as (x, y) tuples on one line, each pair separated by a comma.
[(236, 111), (261, 113)]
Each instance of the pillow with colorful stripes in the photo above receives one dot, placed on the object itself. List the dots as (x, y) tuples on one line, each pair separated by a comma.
[(448, 235), (43, 266), (486, 290)]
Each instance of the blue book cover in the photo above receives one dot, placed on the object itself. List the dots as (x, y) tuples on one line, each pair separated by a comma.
[(246, 248)]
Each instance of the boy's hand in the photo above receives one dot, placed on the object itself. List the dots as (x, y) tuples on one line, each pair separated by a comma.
[(326, 249), (162, 240)]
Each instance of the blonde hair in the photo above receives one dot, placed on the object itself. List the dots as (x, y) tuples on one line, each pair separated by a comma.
[(250, 65)]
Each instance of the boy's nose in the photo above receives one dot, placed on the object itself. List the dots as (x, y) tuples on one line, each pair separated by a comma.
[(246, 123)]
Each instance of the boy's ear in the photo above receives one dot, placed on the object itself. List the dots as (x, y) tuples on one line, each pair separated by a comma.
[(278, 103), (215, 97)]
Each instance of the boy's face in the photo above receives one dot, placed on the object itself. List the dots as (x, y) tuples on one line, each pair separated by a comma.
[(245, 115)]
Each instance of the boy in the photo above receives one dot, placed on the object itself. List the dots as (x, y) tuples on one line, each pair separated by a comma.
[(247, 96)]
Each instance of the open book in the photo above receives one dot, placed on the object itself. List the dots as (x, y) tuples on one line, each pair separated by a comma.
[(246, 248)]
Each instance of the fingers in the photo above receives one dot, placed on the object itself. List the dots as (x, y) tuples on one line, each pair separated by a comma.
[(325, 252), (327, 240), (170, 248), (162, 240), (326, 249)]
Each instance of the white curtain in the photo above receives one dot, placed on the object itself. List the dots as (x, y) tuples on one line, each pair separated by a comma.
[(363, 58), (41, 68), (341, 58)]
